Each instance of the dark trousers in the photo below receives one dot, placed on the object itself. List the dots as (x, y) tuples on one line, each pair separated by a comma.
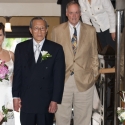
[(106, 39), (36, 119)]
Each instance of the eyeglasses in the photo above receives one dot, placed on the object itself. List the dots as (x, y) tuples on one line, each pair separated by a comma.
[(36, 29)]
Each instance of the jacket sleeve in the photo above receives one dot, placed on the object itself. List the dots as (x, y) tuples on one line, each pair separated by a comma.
[(17, 74), (84, 16), (95, 61), (59, 76), (111, 14)]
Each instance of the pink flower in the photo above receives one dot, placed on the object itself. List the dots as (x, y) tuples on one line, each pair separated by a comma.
[(3, 71), (1, 116)]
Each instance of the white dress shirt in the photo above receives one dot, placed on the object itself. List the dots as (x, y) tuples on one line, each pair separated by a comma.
[(40, 43), (101, 13), (71, 29)]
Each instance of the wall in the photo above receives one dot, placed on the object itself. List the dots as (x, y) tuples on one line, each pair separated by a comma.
[(29, 9), (120, 4), (24, 21)]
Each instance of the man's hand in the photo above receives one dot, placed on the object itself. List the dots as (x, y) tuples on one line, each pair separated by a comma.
[(113, 35), (53, 107), (17, 104)]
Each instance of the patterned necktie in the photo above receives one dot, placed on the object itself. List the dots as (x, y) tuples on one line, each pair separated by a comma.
[(74, 41), (37, 52)]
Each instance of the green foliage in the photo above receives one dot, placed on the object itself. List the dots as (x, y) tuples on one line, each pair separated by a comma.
[(10, 43)]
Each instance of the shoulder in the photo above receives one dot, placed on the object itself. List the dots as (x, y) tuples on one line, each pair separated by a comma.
[(23, 43), (53, 44), (61, 26), (87, 27), (12, 55)]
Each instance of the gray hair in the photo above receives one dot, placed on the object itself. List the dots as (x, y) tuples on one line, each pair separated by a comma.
[(38, 18), (72, 3)]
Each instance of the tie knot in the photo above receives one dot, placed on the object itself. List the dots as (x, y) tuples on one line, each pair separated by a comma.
[(74, 28), (75, 32), (37, 46)]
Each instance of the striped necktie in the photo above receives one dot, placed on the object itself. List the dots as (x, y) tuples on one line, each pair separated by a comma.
[(74, 41)]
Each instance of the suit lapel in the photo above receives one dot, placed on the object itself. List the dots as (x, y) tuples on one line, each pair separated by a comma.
[(44, 48), (31, 59), (67, 38), (82, 38)]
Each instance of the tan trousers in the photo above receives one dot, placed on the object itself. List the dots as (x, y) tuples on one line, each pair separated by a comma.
[(81, 102)]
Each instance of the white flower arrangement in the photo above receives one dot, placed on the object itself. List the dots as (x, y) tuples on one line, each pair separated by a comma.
[(121, 110), (121, 114), (45, 55), (6, 114)]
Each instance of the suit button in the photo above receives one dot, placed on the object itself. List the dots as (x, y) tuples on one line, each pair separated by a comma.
[(74, 61), (43, 78), (92, 14), (40, 87)]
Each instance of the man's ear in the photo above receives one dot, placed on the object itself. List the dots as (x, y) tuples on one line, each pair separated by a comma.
[(30, 30), (46, 30)]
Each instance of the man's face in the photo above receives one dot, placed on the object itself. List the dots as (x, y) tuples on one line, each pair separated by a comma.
[(73, 13), (38, 30)]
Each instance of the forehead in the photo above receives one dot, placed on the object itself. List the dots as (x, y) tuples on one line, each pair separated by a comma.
[(73, 7), (1, 31), (38, 23)]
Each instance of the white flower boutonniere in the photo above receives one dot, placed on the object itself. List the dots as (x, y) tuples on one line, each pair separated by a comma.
[(45, 55)]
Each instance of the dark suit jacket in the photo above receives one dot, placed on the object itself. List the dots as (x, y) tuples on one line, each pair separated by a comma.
[(37, 84)]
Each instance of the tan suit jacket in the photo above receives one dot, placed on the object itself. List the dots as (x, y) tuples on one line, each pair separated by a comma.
[(85, 62)]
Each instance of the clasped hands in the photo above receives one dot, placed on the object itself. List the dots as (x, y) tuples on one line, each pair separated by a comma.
[(17, 105)]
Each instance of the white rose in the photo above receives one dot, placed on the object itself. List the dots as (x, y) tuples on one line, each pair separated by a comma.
[(118, 108), (44, 52), (123, 115)]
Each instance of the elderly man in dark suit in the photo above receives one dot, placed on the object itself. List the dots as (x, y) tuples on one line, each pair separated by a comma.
[(39, 73)]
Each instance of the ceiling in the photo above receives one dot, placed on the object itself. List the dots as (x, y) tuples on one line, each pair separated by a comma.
[(28, 1)]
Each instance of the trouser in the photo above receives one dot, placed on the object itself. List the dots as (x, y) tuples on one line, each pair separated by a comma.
[(36, 118), (81, 102), (106, 39)]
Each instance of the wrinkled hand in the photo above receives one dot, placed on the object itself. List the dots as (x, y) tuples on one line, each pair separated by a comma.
[(113, 35), (1, 116), (53, 107), (17, 104)]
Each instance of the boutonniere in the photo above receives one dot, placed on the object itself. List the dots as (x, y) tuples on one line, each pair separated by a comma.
[(45, 55)]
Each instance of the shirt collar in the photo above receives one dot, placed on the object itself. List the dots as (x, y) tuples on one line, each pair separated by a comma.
[(40, 43), (76, 26)]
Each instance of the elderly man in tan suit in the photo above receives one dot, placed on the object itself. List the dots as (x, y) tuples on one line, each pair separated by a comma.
[(80, 47)]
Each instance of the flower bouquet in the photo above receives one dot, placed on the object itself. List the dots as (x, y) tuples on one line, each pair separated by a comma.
[(6, 114), (121, 114), (121, 110), (3, 71)]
